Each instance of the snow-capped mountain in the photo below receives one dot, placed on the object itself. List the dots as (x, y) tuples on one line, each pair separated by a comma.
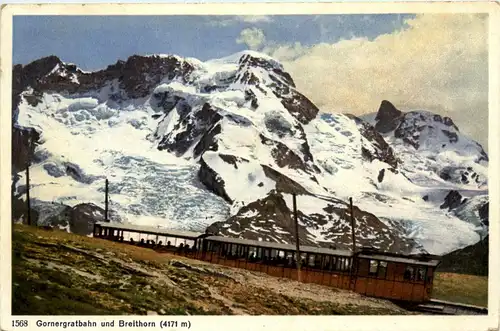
[(225, 143), (432, 149)]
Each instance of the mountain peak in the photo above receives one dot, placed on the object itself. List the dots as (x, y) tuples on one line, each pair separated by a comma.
[(239, 57), (47, 62), (387, 117)]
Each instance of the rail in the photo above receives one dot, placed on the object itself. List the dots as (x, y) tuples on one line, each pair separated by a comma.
[(440, 307)]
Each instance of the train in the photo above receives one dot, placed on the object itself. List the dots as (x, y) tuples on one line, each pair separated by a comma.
[(367, 271)]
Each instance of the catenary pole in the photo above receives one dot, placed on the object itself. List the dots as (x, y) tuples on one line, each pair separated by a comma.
[(298, 259)]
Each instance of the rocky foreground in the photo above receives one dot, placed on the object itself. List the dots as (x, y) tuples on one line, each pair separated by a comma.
[(58, 273)]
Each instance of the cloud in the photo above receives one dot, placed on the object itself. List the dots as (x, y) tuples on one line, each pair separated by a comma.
[(255, 19), (252, 37), (438, 62), (223, 21)]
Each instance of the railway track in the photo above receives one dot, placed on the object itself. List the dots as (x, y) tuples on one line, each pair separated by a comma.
[(439, 307)]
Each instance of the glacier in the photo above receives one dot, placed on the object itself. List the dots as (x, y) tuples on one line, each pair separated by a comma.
[(242, 118)]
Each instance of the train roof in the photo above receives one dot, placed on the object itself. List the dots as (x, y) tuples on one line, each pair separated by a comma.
[(366, 254), (280, 246), (150, 230), (401, 259)]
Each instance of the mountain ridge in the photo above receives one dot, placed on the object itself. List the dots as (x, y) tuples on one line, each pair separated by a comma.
[(239, 127)]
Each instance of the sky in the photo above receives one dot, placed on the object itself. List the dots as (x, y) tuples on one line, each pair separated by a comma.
[(343, 63)]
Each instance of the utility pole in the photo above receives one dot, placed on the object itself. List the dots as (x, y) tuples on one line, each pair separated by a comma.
[(352, 269), (28, 204), (28, 164), (106, 210), (353, 225), (298, 259)]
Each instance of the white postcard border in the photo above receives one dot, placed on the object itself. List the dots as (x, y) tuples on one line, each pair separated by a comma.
[(384, 323)]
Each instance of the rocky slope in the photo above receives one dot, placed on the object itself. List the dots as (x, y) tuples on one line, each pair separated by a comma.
[(226, 142), (58, 273), (471, 260)]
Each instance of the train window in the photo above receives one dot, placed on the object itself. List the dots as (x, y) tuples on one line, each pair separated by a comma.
[(347, 264), (420, 274), (382, 269), (280, 258), (338, 265), (251, 253), (265, 253), (344, 263), (311, 261), (317, 262), (373, 267), (409, 273), (333, 263), (326, 263), (246, 252), (302, 259), (290, 259)]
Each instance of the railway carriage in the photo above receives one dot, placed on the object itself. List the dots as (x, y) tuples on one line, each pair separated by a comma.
[(368, 272), (148, 236), (392, 276), (318, 265)]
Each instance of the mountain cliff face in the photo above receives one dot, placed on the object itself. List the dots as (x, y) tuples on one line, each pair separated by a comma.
[(225, 143)]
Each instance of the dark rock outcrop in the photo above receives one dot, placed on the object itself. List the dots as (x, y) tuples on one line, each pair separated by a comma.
[(382, 150), (284, 183), (28, 75), (300, 107), (75, 172), (283, 156), (282, 86), (24, 142), (452, 200), (208, 141), (388, 117), (484, 213), (196, 125), (212, 180), (136, 77), (79, 219), (273, 219), (380, 176), (85, 215), (461, 175)]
